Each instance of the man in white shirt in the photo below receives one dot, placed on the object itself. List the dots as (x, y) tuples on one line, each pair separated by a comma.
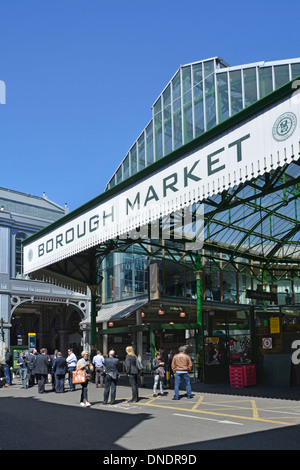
[(72, 363), (98, 361)]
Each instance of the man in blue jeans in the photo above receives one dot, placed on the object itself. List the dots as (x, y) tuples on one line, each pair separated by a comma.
[(181, 365), (71, 364)]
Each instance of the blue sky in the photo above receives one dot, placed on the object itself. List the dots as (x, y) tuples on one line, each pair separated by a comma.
[(81, 77)]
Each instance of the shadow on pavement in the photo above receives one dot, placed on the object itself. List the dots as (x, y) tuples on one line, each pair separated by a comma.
[(29, 424), (286, 438)]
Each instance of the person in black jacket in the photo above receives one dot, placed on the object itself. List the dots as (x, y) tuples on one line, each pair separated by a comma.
[(59, 369), (8, 366), (132, 372), (31, 357), (41, 367), (111, 377)]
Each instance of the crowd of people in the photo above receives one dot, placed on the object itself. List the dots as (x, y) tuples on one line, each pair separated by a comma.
[(42, 368)]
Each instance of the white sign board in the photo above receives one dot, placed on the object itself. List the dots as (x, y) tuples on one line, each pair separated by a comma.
[(258, 145)]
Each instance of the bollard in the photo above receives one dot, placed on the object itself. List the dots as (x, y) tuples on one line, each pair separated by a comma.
[(168, 376)]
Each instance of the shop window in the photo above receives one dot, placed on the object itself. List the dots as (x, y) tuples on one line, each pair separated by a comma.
[(227, 338)]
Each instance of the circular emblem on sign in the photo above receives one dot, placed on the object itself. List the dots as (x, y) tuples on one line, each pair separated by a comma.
[(30, 255), (267, 343), (284, 126)]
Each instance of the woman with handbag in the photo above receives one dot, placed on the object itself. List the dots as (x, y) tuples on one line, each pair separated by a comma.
[(85, 365), (132, 371)]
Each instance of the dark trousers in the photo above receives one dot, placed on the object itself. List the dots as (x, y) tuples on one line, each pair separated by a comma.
[(99, 375), (110, 384), (59, 383), (41, 380), (133, 380), (70, 370), (30, 378), (84, 392)]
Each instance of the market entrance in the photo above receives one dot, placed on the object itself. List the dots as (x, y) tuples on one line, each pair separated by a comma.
[(227, 340), (276, 336)]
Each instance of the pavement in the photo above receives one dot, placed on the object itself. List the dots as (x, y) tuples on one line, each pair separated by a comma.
[(218, 417), (257, 391)]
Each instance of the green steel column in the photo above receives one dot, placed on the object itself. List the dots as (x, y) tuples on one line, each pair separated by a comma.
[(199, 310), (152, 344), (198, 284), (93, 290)]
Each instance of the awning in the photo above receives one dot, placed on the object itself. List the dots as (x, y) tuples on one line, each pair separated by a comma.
[(117, 311)]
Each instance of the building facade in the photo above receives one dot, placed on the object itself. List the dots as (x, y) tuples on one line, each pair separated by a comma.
[(200, 96), (51, 313), (225, 139)]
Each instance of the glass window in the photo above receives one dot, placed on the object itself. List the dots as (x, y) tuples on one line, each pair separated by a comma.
[(236, 94), (265, 81), (282, 75), (141, 144), (223, 102), (149, 139), (167, 120), (295, 70), (210, 98), (119, 174), (112, 182), (198, 99), (126, 168), (250, 86), (158, 130), (19, 252), (177, 118), (187, 104), (133, 160)]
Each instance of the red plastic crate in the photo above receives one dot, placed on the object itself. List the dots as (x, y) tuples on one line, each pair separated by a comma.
[(242, 376), (236, 376), (250, 374)]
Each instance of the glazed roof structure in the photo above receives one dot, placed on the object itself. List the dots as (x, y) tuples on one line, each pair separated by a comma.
[(248, 218)]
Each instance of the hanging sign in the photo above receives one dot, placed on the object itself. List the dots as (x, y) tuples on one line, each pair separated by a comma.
[(31, 340), (274, 325)]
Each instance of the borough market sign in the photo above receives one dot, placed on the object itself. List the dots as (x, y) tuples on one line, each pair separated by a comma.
[(257, 145)]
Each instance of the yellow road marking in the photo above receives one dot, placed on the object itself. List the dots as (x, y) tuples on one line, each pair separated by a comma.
[(217, 414), (255, 410), (198, 403), (255, 415)]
